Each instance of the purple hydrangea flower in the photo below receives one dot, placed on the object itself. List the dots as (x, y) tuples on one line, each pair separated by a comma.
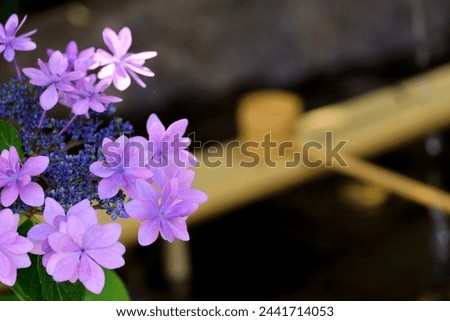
[(55, 76), (124, 164), (161, 212), (78, 60), (185, 177), (120, 65), (88, 94), (9, 42), (169, 144), (53, 216), (13, 247), (81, 247), (16, 181)]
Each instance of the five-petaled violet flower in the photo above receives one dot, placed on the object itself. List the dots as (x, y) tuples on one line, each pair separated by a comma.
[(169, 144), (9, 42), (16, 181), (120, 65), (124, 163), (80, 247), (13, 247), (78, 60), (161, 212), (55, 77), (53, 216), (90, 95)]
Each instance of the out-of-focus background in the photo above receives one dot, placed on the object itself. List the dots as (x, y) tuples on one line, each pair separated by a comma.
[(333, 238)]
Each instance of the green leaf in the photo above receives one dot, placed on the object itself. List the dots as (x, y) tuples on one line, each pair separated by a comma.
[(9, 137), (35, 284), (114, 289), (9, 297), (25, 226)]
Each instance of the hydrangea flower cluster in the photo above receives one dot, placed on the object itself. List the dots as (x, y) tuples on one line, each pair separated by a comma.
[(66, 169)]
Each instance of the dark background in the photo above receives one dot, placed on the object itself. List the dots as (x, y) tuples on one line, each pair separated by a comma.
[(319, 241)]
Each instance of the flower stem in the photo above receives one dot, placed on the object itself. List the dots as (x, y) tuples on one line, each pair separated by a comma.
[(19, 74), (67, 125), (42, 119)]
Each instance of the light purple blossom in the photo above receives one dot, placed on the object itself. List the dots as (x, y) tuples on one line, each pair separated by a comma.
[(55, 76), (16, 181), (185, 177), (78, 60), (53, 216), (124, 163), (90, 95), (120, 65), (160, 212), (9, 42), (13, 247), (80, 247), (169, 145)]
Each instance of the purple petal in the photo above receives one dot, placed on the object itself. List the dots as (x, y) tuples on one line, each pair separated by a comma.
[(12, 24), (32, 194), (20, 260), (146, 192), (49, 98), (148, 231), (8, 221), (14, 157), (23, 44), (166, 232), (9, 194), (61, 242), (62, 266), (153, 120), (101, 169), (38, 234), (108, 187), (52, 210), (100, 236), (35, 165), (177, 129), (85, 212), (91, 275), (140, 210), (24, 179), (7, 274), (179, 228), (144, 71), (111, 40), (21, 245), (181, 209), (193, 195), (118, 247), (143, 55), (76, 229), (37, 77), (57, 63), (136, 78), (107, 258), (81, 106), (97, 106), (125, 41), (103, 57), (121, 79), (9, 54)]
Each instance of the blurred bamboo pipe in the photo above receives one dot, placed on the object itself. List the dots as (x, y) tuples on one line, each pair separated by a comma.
[(406, 187), (372, 123)]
